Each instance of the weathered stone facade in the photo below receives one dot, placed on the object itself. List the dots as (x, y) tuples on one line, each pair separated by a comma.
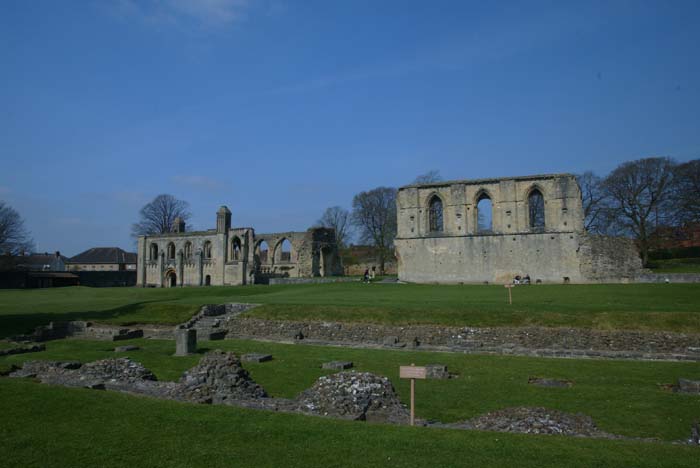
[(536, 230), (234, 256)]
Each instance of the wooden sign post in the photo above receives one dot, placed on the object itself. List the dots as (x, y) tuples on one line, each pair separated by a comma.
[(412, 372), (509, 287)]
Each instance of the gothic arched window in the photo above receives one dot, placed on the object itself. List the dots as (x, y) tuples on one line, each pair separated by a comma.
[(435, 214), (484, 214), (171, 251), (535, 202)]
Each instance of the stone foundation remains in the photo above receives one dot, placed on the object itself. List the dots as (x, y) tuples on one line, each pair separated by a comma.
[(526, 341), (220, 379)]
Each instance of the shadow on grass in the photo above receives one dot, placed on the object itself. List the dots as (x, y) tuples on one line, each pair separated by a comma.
[(138, 312)]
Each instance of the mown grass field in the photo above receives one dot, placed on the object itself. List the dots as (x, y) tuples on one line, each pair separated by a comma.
[(49, 427), (671, 307), (623, 397), (53, 426)]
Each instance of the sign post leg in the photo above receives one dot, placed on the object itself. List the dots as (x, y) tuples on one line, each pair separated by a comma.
[(413, 401)]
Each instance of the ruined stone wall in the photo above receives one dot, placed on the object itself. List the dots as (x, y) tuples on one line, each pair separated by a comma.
[(313, 253), (562, 204), (609, 259), (211, 258), (559, 251)]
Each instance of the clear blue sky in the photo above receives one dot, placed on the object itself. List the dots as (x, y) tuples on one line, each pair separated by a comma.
[(280, 109)]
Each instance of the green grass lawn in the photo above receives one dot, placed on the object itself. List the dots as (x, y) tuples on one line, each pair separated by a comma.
[(623, 397), (672, 307), (676, 265), (50, 426)]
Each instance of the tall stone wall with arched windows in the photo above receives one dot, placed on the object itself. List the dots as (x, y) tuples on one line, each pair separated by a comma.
[(536, 229)]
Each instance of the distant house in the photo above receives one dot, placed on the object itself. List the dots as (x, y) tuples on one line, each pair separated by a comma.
[(103, 259), (677, 237), (41, 262), (35, 271)]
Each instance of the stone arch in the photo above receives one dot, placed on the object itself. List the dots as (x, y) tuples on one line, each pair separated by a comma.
[(207, 280), (153, 252), (171, 251), (262, 251), (188, 250), (170, 278), (236, 250), (436, 213), (536, 220), (283, 251), (206, 250), (483, 212)]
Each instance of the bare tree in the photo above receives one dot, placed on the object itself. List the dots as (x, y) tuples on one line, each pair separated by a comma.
[(640, 193), (687, 192), (374, 215), (14, 237), (432, 175), (337, 218), (159, 215), (595, 203)]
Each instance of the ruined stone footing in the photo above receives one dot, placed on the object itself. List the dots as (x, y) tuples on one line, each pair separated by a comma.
[(525, 341)]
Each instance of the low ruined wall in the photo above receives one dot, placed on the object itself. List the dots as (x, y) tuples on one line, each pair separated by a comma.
[(668, 278), (537, 341), (390, 268), (106, 279), (333, 279)]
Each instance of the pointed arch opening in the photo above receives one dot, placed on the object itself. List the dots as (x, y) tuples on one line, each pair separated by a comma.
[(262, 251), (535, 210), (154, 252), (206, 250), (435, 214), (188, 250), (236, 248), (171, 279), (484, 214), (171, 251), (283, 251)]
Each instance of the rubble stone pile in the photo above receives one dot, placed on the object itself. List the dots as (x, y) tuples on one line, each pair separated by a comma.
[(354, 395), (218, 378), (96, 374), (537, 420)]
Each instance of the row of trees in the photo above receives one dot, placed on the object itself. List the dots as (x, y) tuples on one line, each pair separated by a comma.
[(641, 199), (373, 218)]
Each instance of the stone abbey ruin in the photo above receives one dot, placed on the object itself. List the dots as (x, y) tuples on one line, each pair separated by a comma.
[(234, 256), (533, 228), (464, 231)]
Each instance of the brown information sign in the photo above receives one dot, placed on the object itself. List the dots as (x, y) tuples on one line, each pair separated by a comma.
[(413, 372)]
